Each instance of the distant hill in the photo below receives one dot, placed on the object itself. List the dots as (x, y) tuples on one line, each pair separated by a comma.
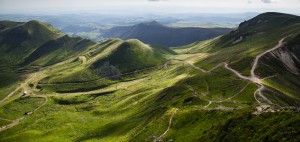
[(158, 34)]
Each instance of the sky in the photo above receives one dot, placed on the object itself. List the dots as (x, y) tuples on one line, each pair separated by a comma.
[(146, 6)]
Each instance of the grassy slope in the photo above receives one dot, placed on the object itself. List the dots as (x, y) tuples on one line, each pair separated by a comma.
[(139, 110), (284, 79), (19, 42), (132, 55), (58, 50), (27, 46), (126, 56), (258, 34)]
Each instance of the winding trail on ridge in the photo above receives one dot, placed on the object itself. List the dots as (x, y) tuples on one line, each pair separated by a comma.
[(169, 127), (253, 78)]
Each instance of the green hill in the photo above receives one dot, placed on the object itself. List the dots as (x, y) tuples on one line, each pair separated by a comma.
[(132, 55), (39, 44), (20, 41), (112, 59)]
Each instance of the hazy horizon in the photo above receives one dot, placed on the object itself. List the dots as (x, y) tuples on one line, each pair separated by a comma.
[(42, 7)]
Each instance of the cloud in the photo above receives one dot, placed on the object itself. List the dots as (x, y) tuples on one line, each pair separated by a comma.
[(267, 1)]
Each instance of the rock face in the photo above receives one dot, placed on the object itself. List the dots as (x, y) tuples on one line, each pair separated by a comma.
[(238, 40), (289, 58)]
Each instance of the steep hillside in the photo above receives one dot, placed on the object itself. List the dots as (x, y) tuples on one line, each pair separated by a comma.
[(20, 41), (27, 47), (37, 43), (257, 52), (263, 24), (157, 34), (282, 68)]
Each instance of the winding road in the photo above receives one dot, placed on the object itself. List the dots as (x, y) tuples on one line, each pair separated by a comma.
[(254, 78)]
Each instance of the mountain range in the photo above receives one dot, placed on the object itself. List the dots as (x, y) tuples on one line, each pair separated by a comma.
[(158, 34)]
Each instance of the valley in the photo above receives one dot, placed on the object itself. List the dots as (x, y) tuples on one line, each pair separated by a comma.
[(73, 89)]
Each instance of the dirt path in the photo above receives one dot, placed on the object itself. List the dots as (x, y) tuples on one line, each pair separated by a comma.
[(169, 127), (280, 43), (17, 121), (212, 101), (236, 72), (197, 68), (14, 123), (30, 92), (234, 94), (45, 102), (128, 73), (23, 85), (253, 78), (209, 103), (6, 119)]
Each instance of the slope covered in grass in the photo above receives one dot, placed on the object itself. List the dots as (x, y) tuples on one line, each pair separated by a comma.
[(248, 40), (38, 44), (58, 50), (132, 55), (20, 41), (282, 66), (240, 47), (189, 96)]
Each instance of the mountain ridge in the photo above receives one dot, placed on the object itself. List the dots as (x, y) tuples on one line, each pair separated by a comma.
[(157, 34)]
